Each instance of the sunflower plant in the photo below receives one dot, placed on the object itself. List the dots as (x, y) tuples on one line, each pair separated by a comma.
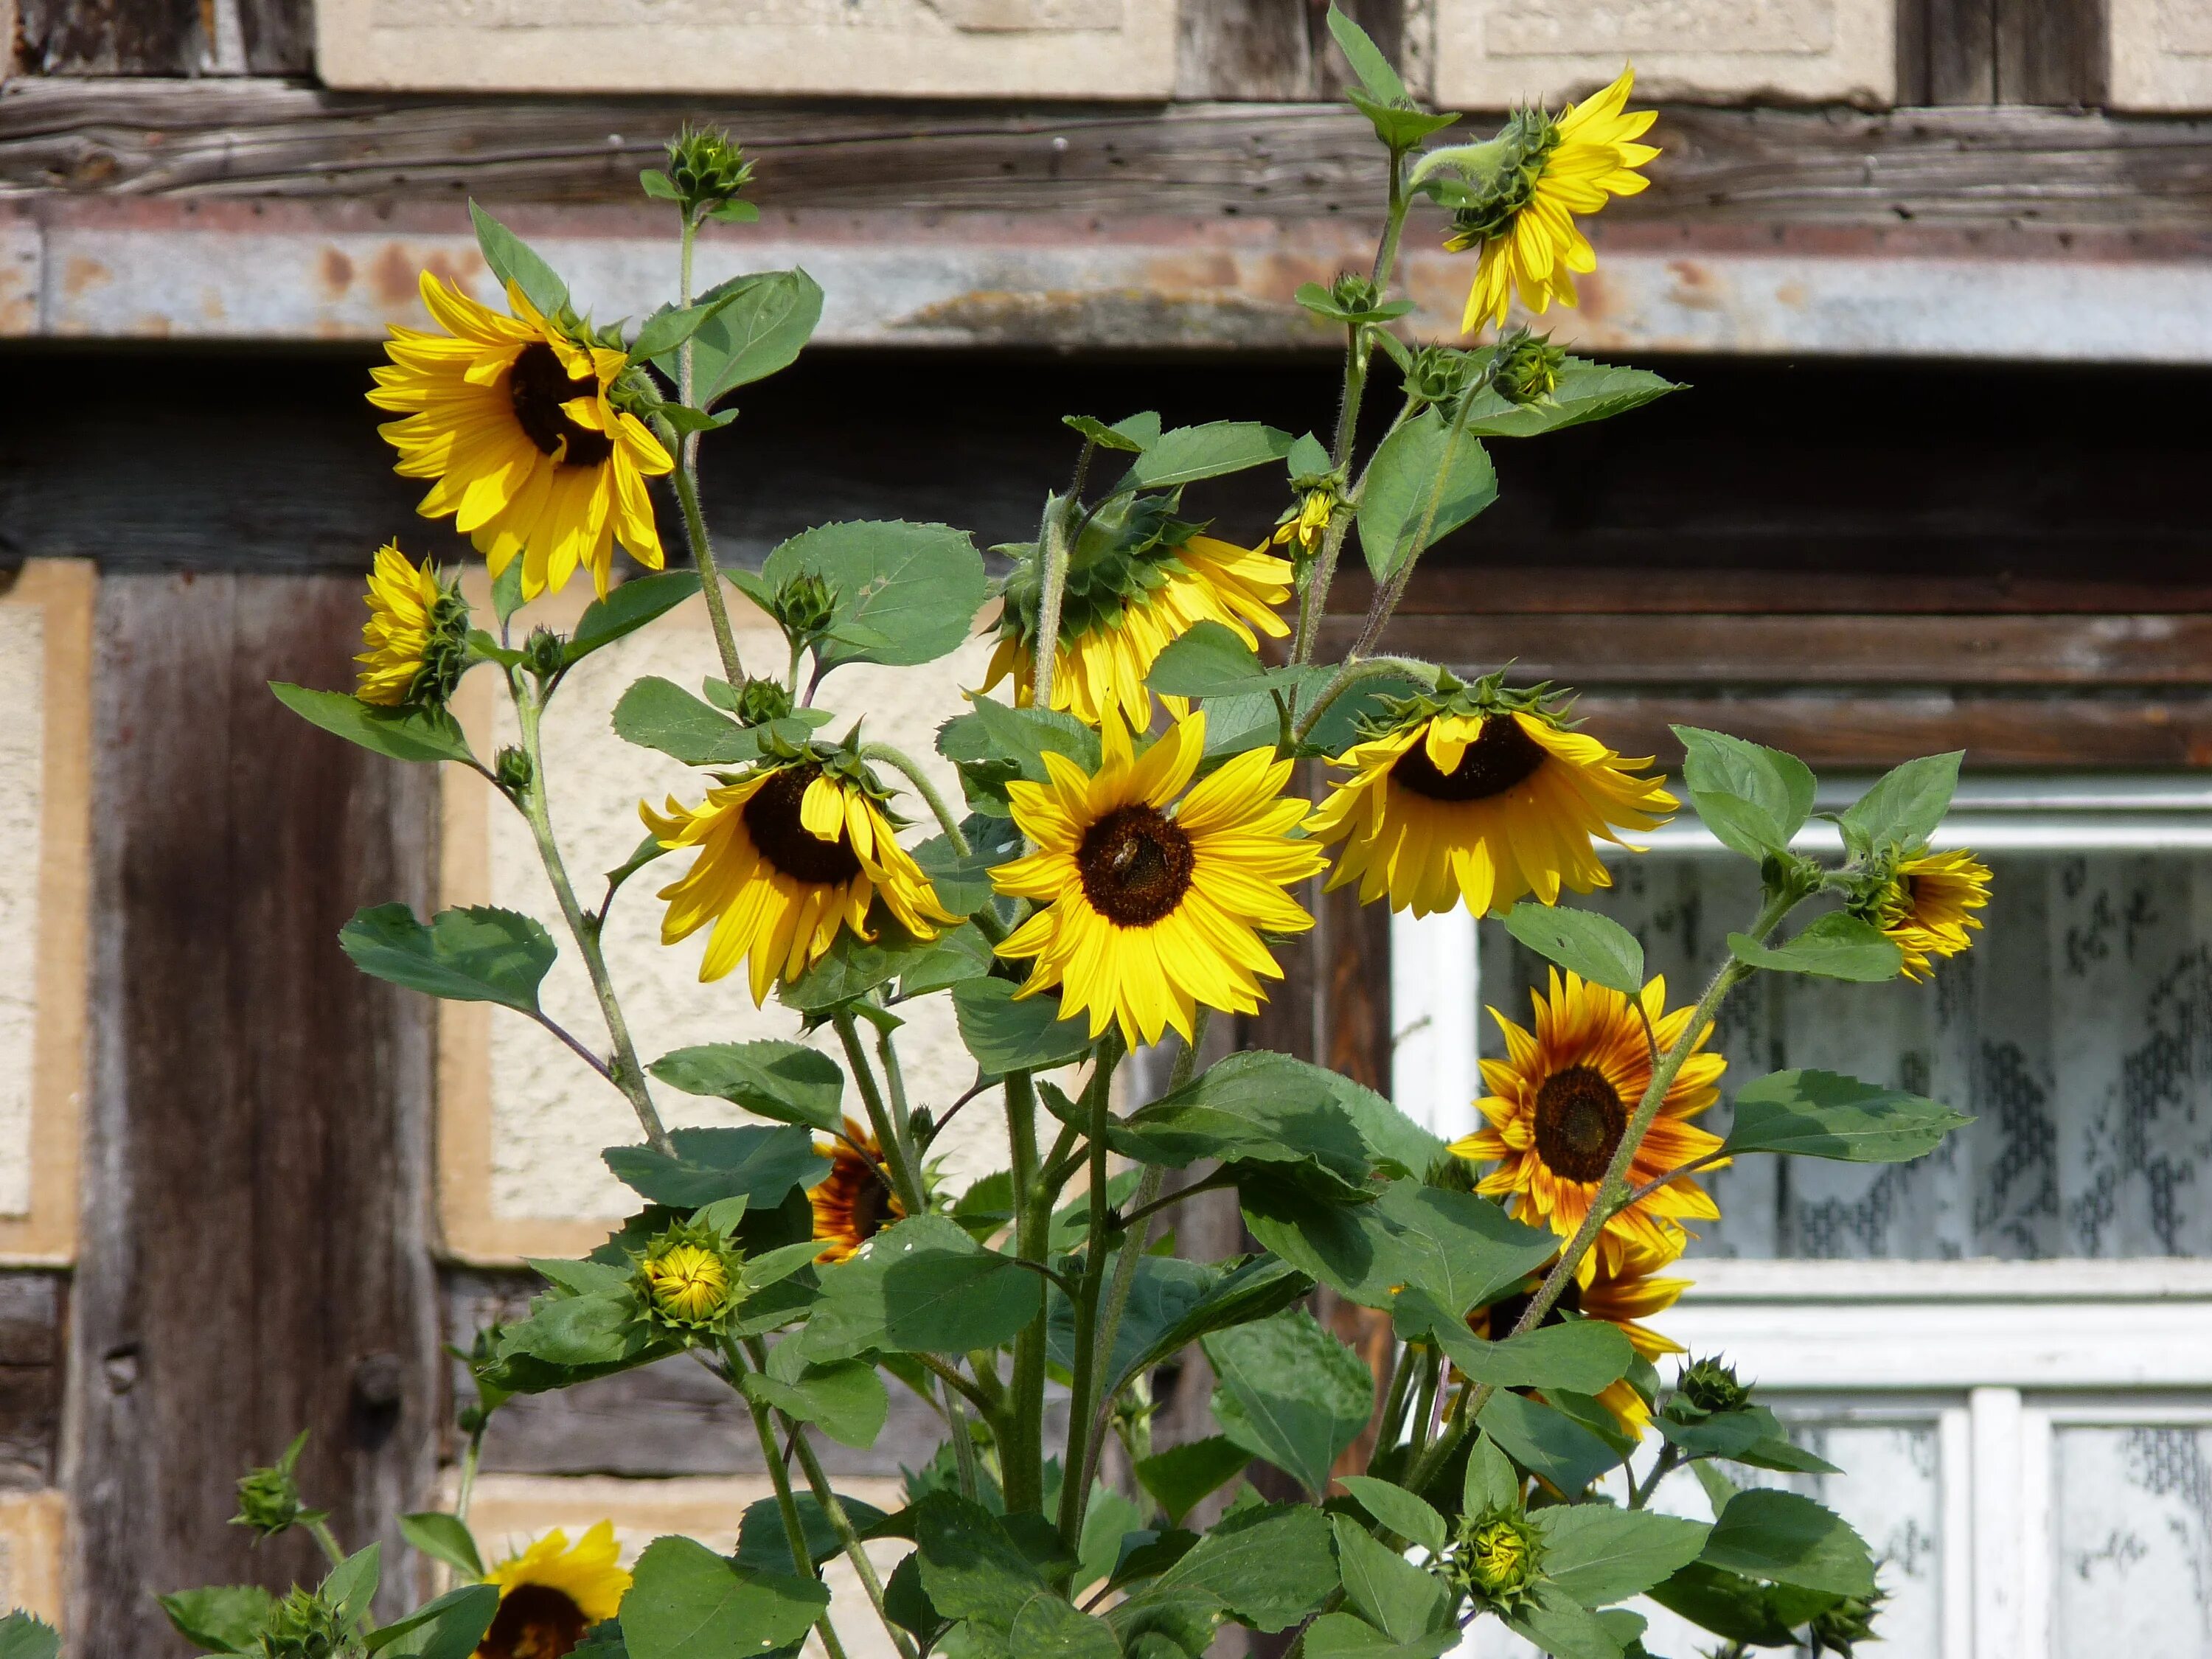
[(1163, 768)]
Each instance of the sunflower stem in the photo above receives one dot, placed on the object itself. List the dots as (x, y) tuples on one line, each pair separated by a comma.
[(900, 761), (467, 1489), (1052, 576), (627, 1074), (787, 1502), (1021, 1456), (1393, 587), (903, 1180), (319, 1530), (1083, 1392), (1393, 1397), (702, 557), (1352, 673)]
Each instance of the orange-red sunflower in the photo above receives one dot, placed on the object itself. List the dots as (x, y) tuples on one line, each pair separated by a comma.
[(855, 1201), (1624, 1293)]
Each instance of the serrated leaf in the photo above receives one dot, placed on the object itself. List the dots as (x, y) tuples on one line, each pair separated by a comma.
[(845, 1398), (776, 1079), (1599, 1554), (914, 588), (970, 1564), (1789, 1540), (1182, 1477), (1587, 392), (922, 1286), (1191, 453), (767, 323), (1291, 1393), (450, 1627), (1211, 661), (763, 1545), (1104, 436), (1581, 1355), (1907, 805), (1254, 1109), (1752, 798), (1255, 1288), (1462, 1251), (1269, 1565), (658, 713), (1740, 1609), (406, 734), (1814, 1114), (1400, 480), (1555, 1448), (1837, 946), (687, 1602), (1491, 1482), (1376, 76), (216, 1617), (515, 263), (1383, 1587), (1407, 1514), (626, 609), (757, 1163), (1005, 1033), (1562, 1627), (479, 954), (1595, 946)]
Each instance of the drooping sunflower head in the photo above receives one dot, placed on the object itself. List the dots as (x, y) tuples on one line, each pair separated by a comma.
[(855, 1201), (552, 1592), (1560, 1108), (417, 634), (1524, 188), (1927, 906), (789, 853), (515, 419), (1153, 900), (1138, 579), (689, 1279), (1480, 796)]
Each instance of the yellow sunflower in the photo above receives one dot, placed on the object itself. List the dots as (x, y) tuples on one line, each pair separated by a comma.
[(855, 1201), (1563, 1097), (1151, 907), (1928, 908), (1623, 1292), (415, 633), (1307, 523), (552, 1593), (1104, 666), (788, 853), (1565, 165), (1481, 808), (511, 417)]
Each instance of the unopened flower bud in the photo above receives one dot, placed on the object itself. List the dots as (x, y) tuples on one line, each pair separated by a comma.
[(1710, 1385), (269, 1499), (1527, 369), (305, 1626), (690, 1280), (1439, 373), (1499, 1557), (762, 701), (805, 604), (544, 653), (511, 766), (706, 168), (1850, 1622), (1353, 292)]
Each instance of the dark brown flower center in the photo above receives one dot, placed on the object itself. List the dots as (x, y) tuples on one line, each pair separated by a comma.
[(535, 1621), (1136, 866), (538, 386), (1501, 756), (1505, 1312), (772, 820), (1579, 1121), (872, 1204)]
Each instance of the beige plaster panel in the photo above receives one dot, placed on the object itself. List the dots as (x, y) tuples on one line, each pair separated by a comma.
[(2161, 54), (522, 1120), (31, 1527), (45, 686), (966, 48), (1493, 54), (507, 1511)]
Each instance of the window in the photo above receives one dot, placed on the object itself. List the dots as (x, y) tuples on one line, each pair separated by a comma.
[(2008, 1346)]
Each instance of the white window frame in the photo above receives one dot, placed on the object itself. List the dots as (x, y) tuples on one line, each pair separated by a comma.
[(2000, 1353)]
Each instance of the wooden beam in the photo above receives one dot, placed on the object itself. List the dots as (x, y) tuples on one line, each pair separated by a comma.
[(253, 1259), (32, 1315)]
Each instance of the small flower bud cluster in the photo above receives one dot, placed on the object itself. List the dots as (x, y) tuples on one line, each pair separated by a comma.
[(1496, 192), (1528, 368), (805, 604), (1707, 1386), (705, 173), (305, 1626), (760, 702), (269, 1499), (1850, 1621)]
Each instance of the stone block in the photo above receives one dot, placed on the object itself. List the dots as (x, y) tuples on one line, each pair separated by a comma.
[(2161, 54)]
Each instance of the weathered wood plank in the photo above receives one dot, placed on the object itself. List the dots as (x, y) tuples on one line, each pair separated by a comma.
[(252, 1259), (33, 1312), (1960, 50), (2050, 51), (1916, 169), (111, 37), (2028, 652)]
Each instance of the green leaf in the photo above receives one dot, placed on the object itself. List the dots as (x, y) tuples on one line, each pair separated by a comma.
[(1108, 1519), (26, 1636), (1811, 1114), (846, 1398), (769, 317), (753, 1162), (961, 954), (506, 590), (350, 1586), (444, 1538), (776, 1079), (1789, 1540), (1049, 1628), (997, 732), (1491, 1482), (764, 1546), (448, 1628), (1837, 946), (853, 967), (517, 264), (1191, 453), (1752, 799), (1211, 661), (1412, 1518), (1322, 303), (407, 734), (1461, 1250), (1400, 481), (1587, 392), (1399, 129), (1254, 1109), (626, 609), (1253, 1288), (1377, 77), (1291, 1393), (1107, 437), (1599, 1554), (1907, 805), (923, 1286), (916, 587), (1597, 947), (963, 880), (672, 325), (1182, 1477), (1739, 1609), (1005, 1035), (658, 713), (1160, 1296), (477, 955), (970, 1564), (687, 1602), (1385, 1588), (1563, 1627), (1392, 1137), (1580, 1355), (1341, 1636), (1556, 1448), (1269, 1565), (218, 1619)]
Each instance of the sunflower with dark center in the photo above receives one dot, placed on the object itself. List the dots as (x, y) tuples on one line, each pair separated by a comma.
[(552, 1593), (513, 419), (855, 1201), (1154, 900), (788, 853), (1623, 1290), (1560, 1105), (1453, 803), (1927, 908)]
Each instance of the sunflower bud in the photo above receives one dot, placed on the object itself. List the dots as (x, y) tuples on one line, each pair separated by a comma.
[(760, 702), (1501, 178), (1849, 1622), (1439, 373), (691, 1280), (416, 636), (269, 1499), (1710, 1385), (1528, 370), (705, 169), (511, 766), (305, 1626), (1497, 1557), (804, 604), (544, 652), (1353, 292)]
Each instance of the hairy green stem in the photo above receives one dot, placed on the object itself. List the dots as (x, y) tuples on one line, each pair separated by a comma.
[(901, 763), (469, 1459), (905, 1180), (628, 1075), (1393, 588), (787, 1502), (1083, 1391), (1354, 671), (710, 573), (1052, 577), (1021, 1458), (319, 1530)]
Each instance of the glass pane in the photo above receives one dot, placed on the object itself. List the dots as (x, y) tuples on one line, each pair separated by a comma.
[(2078, 1032), (2132, 1512)]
